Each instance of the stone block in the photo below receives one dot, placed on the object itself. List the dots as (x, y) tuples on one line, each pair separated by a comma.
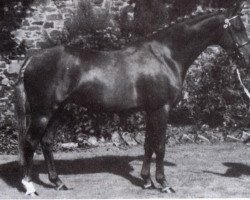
[(29, 43), (34, 28), (5, 82), (28, 34), (38, 23), (118, 3), (68, 16), (38, 17), (2, 64), (48, 25), (54, 17), (13, 68), (48, 9)]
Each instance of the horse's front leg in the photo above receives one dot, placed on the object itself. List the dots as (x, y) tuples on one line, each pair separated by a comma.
[(155, 142), (47, 143), (31, 141), (145, 172)]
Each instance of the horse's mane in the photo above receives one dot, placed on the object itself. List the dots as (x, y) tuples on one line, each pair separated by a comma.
[(197, 15)]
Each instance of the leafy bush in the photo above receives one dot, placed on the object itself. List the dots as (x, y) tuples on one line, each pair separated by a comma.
[(93, 28), (212, 93)]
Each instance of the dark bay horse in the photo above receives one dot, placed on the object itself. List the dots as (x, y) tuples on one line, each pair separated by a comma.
[(147, 75)]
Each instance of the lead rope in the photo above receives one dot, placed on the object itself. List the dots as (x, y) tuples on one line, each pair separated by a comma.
[(242, 84), (245, 135)]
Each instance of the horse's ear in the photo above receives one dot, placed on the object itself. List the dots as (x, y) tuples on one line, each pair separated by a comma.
[(237, 8)]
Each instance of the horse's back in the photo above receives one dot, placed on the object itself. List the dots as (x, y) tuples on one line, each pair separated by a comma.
[(134, 77)]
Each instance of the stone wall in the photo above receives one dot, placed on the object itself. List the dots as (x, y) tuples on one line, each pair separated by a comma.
[(49, 17)]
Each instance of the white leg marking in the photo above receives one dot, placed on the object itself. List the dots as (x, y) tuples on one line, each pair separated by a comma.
[(30, 189)]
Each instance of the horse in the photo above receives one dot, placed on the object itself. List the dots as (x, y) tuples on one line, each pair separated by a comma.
[(145, 76)]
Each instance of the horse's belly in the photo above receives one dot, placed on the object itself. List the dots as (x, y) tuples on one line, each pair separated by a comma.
[(98, 96)]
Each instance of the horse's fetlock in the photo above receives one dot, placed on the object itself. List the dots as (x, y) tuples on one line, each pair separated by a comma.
[(55, 180), (160, 178), (145, 175)]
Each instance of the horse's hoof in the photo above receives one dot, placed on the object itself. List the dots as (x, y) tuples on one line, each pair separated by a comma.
[(62, 187), (33, 194), (168, 190), (149, 185)]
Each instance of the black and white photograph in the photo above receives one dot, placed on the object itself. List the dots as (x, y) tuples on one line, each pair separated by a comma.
[(124, 99)]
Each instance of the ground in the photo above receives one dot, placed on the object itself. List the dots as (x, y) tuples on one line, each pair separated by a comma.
[(194, 171)]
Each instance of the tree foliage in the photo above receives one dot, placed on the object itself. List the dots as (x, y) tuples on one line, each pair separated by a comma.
[(212, 93)]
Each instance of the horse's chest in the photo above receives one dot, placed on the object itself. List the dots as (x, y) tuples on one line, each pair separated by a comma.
[(157, 90)]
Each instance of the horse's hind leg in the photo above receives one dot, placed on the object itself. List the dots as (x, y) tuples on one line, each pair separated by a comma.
[(47, 147), (31, 141)]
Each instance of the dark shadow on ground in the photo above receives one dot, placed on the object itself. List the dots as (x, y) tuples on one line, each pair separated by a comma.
[(118, 165), (234, 170)]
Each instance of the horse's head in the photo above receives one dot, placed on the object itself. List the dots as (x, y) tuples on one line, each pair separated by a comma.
[(234, 38)]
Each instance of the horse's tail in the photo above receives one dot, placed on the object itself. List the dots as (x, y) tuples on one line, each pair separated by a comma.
[(21, 106)]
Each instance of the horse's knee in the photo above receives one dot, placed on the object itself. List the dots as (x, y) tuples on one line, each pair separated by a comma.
[(35, 132), (47, 143), (30, 144), (42, 122)]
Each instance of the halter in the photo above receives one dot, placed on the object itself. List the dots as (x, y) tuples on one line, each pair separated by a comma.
[(236, 54)]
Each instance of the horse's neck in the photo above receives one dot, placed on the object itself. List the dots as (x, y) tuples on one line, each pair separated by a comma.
[(190, 40)]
